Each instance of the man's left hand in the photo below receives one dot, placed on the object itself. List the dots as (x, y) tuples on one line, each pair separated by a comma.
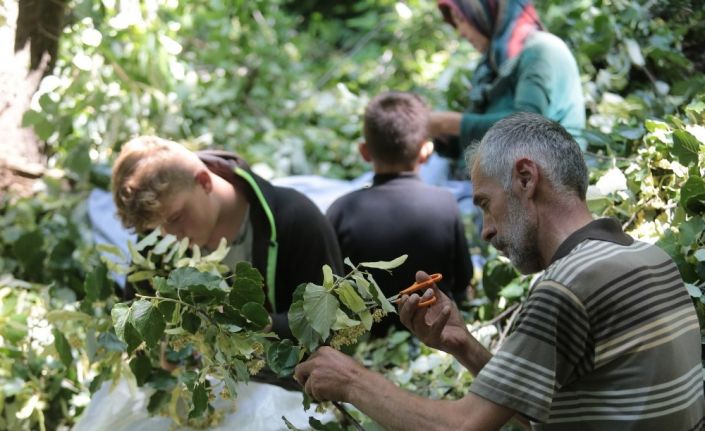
[(328, 375)]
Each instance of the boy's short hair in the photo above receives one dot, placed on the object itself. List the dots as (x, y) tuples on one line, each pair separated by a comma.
[(396, 127), (149, 170)]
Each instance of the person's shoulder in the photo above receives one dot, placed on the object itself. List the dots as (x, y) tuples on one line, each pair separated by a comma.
[(544, 44)]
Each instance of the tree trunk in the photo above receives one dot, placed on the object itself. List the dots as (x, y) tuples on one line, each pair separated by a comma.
[(28, 46)]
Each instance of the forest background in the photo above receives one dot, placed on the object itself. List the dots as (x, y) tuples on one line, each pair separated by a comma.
[(284, 83)]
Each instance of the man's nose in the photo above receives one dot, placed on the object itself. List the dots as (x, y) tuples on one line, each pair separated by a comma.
[(488, 231)]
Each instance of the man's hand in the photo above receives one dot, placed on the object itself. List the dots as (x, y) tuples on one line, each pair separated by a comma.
[(328, 375), (440, 325)]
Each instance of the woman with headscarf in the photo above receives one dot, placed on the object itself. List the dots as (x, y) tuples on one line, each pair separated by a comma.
[(524, 68)]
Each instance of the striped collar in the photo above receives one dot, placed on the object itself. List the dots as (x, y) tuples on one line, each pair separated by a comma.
[(604, 229)]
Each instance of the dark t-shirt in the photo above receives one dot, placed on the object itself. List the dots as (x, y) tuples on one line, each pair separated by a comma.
[(397, 215)]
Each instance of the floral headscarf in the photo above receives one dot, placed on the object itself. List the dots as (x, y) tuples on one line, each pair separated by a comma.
[(506, 23)]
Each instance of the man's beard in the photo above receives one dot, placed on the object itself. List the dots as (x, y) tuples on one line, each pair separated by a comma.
[(519, 241)]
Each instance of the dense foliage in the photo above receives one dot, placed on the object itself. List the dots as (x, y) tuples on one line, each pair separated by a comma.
[(284, 84)]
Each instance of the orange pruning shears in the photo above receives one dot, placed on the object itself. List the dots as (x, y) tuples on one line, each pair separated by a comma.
[(419, 286)]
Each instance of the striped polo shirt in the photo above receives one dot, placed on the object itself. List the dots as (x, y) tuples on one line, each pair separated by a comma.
[(608, 340)]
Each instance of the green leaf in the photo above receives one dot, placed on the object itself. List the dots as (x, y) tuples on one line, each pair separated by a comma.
[(693, 195), (163, 244), (246, 290), (289, 425), (111, 249), (200, 401), (219, 254), (141, 276), (136, 257), (63, 348), (120, 314), (282, 357), (246, 270), (700, 255), (97, 285), (55, 316), (141, 367), (28, 249), (366, 319), (190, 322), (231, 384), (148, 240), (327, 277), (203, 286), (512, 291), (301, 328), (342, 321), (158, 400), (693, 290), (348, 262), (256, 314), (379, 297), (347, 294), (111, 342), (386, 265), (497, 274), (690, 230), (685, 147), (320, 307), (167, 308), (148, 321), (362, 286)]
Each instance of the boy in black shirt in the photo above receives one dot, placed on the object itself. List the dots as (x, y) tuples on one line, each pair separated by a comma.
[(399, 214)]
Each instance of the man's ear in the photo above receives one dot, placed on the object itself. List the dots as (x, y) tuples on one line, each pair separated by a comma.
[(526, 177), (203, 179), (364, 151), (425, 152)]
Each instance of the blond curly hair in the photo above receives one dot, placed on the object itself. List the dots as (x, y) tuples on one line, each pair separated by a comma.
[(148, 171)]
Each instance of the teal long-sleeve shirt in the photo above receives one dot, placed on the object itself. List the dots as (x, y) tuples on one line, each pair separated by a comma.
[(545, 80)]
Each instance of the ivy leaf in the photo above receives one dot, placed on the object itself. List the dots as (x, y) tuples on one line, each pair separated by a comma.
[(301, 328), (63, 348), (386, 265), (282, 357), (347, 294), (148, 321), (685, 147), (320, 307), (256, 314)]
